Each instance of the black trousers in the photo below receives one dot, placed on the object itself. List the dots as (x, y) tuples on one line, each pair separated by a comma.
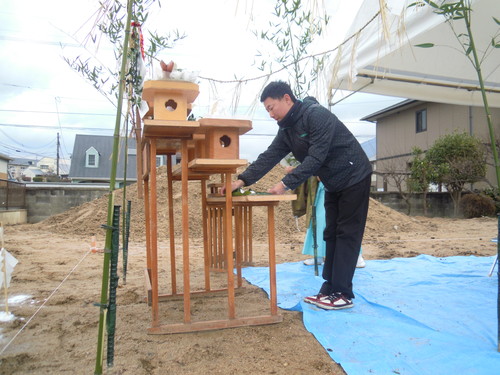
[(346, 213)]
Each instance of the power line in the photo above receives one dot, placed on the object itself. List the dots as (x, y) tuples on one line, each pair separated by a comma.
[(33, 41), (61, 113), (55, 127)]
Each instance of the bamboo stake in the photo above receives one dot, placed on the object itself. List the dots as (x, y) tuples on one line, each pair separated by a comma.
[(477, 65), (112, 181)]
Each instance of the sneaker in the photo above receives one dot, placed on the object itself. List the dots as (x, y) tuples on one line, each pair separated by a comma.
[(310, 261), (313, 300), (361, 262), (335, 301)]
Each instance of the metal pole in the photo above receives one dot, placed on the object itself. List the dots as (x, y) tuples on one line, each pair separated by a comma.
[(113, 284)]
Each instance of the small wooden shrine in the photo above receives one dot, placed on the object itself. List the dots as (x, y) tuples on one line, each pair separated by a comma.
[(207, 147)]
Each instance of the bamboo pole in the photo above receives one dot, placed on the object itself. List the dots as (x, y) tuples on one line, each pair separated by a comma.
[(112, 181), (477, 65)]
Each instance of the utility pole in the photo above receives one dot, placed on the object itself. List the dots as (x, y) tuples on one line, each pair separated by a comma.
[(58, 145)]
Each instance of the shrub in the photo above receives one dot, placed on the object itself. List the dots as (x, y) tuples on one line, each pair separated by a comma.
[(494, 193), (477, 205)]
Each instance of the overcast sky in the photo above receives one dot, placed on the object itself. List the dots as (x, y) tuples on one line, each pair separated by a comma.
[(42, 96)]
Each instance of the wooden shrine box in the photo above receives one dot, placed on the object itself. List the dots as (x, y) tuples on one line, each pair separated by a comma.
[(222, 137), (196, 147), (169, 99)]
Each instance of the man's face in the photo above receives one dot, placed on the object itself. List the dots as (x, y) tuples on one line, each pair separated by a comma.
[(278, 108)]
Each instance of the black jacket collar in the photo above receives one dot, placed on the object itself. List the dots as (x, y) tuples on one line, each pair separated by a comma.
[(292, 115)]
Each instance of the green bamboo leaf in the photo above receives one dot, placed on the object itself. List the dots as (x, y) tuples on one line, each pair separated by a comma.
[(497, 21), (425, 45)]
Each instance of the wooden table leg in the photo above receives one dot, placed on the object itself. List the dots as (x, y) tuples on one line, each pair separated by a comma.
[(154, 234), (185, 232), (249, 258), (228, 235), (272, 260), (206, 249), (238, 241), (220, 239), (173, 273)]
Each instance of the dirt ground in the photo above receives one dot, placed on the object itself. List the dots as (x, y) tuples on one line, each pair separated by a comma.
[(58, 281)]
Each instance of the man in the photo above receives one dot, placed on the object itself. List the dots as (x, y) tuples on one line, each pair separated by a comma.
[(327, 149)]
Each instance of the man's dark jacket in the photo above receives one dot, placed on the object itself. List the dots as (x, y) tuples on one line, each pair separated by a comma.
[(321, 142)]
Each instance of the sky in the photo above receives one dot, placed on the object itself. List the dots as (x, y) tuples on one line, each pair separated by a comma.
[(41, 96)]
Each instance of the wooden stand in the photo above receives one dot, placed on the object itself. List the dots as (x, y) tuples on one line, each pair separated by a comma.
[(163, 135)]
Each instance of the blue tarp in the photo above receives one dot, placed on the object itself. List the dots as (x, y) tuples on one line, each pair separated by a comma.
[(421, 315)]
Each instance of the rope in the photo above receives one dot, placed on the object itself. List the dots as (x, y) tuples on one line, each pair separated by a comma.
[(43, 304)]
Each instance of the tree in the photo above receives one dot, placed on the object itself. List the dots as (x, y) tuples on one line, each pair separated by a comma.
[(461, 11), (456, 159), (291, 36), (399, 179), (421, 173)]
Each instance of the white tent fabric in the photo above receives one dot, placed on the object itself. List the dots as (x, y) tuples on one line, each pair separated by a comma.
[(381, 56)]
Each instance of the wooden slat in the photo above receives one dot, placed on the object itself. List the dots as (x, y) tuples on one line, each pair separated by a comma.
[(257, 198), (215, 324), (243, 126), (151, 87), (170, 128), (171, 226), (204, 224), (216, 165)]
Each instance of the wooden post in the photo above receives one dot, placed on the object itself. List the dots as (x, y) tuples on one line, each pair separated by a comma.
[(228, 236), (154, 235), (272, 260), (171, 228), (238, 241), (185, 231), (204, 215)]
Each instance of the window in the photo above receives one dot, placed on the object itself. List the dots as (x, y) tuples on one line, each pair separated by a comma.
[(421, 121), (91, 158), (160, 160)]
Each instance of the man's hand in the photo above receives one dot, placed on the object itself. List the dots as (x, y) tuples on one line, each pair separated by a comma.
[(234, 185), (278, 189)]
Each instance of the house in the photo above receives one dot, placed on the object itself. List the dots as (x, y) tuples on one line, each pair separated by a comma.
[(31, 172), (17, 166), (91, 160), (4, 161), (49, 165), (415, 123)]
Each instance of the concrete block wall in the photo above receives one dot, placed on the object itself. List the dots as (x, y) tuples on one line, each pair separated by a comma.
[(43, 201), (438, 204)]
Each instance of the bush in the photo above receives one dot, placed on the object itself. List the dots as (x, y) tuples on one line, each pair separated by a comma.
[(477, 205), (494, 194)]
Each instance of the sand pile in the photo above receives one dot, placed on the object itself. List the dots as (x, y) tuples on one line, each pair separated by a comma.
[(87, 218)]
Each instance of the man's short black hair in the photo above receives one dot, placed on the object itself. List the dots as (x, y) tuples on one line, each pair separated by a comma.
[(276, 90)]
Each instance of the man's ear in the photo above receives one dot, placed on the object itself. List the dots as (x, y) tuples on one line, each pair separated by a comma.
[(287, 98)]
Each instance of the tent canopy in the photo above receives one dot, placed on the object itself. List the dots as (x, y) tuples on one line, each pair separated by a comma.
[(381, 56)]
